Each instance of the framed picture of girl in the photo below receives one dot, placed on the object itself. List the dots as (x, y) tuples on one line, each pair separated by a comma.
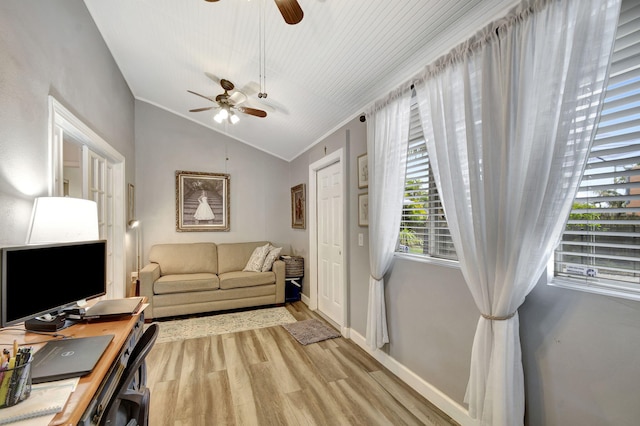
[(202, 201)]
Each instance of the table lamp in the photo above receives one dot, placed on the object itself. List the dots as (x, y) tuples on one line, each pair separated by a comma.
[(63, 219)]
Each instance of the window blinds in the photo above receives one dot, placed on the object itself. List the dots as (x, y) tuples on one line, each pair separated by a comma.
[(423, 228), (601, 243)]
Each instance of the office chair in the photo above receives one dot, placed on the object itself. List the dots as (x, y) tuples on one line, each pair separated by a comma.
[(130, 404)]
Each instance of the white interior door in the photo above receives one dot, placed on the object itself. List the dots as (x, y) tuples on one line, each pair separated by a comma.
[(330, 225), (97, 185)]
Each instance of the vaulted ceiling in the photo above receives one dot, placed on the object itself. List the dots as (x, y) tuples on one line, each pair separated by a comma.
[(318, 74)]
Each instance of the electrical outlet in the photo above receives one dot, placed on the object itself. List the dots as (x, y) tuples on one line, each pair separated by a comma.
[(360, 240)]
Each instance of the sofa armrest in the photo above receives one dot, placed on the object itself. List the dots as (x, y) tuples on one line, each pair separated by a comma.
[(148, 275), (279, 269)]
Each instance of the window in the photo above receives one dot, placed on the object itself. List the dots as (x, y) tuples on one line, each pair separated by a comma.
[(600, 248), (423, 228)]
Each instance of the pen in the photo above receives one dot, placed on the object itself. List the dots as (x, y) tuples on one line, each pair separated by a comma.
[(15, 347)]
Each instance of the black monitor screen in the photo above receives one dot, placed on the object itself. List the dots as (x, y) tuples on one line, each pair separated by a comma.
[(41, 279)]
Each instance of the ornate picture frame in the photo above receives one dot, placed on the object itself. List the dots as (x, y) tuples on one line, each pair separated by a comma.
[(363, 209), (298, 207), (363, 171), (202, 201)]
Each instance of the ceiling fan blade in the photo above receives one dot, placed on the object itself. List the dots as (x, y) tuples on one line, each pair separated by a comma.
[(260, 104), (212, 77), (237, 98), (200, 109), (252, 111), (202, 96), (290, 11), (251, 88)]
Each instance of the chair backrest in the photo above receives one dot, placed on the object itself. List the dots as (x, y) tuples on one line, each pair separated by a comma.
[(131, 397), (136, 364)]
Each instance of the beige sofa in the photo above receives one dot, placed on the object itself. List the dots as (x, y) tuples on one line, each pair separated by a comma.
[(189, 278)]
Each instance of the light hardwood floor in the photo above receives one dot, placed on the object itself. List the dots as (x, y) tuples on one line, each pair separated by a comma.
[(265, 377)]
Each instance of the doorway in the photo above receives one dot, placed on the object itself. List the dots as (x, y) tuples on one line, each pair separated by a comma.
[(83, 165), (327, 239)]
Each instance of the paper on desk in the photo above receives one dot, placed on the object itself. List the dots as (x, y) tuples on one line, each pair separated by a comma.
[(43, 395)]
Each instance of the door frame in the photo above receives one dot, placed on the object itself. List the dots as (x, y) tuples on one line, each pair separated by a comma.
[(337, 156), (59, 116)]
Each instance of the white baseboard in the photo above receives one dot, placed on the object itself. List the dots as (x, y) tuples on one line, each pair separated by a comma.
[(454, 410), (305, 299)]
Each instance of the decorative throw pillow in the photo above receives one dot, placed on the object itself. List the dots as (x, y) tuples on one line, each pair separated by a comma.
[(257, 259), (273, 254)]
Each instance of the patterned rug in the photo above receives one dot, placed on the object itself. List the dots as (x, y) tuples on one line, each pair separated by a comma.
[(191, 328), (311, 331)]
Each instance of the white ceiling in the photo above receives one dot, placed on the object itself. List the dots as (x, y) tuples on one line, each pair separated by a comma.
[(320, 73)]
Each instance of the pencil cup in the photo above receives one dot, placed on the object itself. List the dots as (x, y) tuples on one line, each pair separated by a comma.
[(15, 386)]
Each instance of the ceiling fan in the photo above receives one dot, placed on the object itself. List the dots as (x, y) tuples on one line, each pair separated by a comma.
[(228, 104), (289, 9)]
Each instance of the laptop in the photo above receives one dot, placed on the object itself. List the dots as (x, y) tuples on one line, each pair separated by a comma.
[(67, 358), (114, 308)]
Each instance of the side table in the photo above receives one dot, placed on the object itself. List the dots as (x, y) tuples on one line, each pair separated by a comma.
[(294, 271)]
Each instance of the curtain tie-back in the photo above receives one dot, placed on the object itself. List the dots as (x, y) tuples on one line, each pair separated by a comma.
[(496, 318), (376, 278)]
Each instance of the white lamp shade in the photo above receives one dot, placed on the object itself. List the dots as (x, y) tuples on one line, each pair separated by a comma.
[(63, 219)]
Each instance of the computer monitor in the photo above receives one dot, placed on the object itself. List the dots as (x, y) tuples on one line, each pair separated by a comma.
[(39, 281)]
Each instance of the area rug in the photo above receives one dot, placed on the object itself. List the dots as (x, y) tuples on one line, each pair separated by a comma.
[(191, 328), (310, 331)]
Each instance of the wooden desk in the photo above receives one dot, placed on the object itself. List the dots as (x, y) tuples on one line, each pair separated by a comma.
[(89, 385)]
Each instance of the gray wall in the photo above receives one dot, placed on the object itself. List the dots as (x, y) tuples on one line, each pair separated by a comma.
[(259, 183), (52, 48), (581, 353)]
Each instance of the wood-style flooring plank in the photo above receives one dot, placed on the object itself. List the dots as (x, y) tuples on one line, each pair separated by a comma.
[(265, 377)]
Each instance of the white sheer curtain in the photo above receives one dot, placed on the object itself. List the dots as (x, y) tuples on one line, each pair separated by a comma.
[(509, 118), (387, 140)]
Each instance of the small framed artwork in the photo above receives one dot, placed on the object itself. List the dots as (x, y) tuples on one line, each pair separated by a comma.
[(202, 201), (363, 171), (363, 209), (131, 203), (298, 212)]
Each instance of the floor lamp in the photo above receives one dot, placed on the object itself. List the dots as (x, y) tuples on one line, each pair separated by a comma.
[(135, 225)]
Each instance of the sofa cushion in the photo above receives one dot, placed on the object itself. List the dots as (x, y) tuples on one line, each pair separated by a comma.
[(239, 279), (185, 283), (185, 258), (234, 256), (255, 262), (274, 253)]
